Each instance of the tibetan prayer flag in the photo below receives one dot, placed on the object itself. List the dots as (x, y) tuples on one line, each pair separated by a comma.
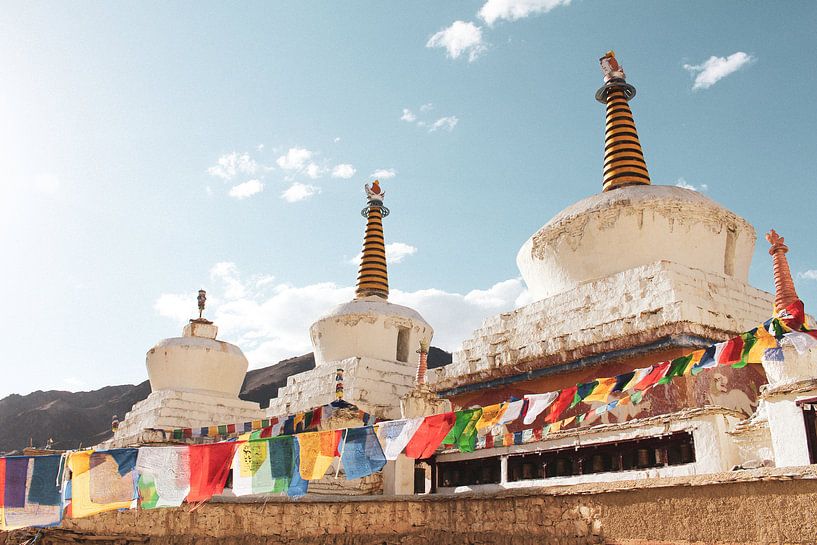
[(763, 341), (582, 391), (677, 368), (209, 468), (731, 352), (429, 435), (638, 376), (694, 359), (512, 412), (561, 404), (362, 454), (394, 435), (622, 381), (793, 316), (30, 494), (491, 415), (602, 390), (708, 360), (164, 476), (748, 339), (318, 450), (537, 403), (464, 432), (652, 378), (101, 481), (252, 473)]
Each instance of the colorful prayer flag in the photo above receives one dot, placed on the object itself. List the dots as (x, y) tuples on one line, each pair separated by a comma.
[(561, 404), (209, 468), (429, 435), (362, 455), (394, 435), (101, 481), (537, 403)]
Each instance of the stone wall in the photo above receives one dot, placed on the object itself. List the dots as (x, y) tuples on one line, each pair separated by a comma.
[(752, 507)]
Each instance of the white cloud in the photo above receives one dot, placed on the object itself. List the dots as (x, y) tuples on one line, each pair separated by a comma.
[(703, 188), (396, 252), (337, 139), (299, 192), (408, 116), (247, 189), (810, 274), (313, 171), (445, 123), (294, 159), (427, 107), (270, 320), (459, 38), (512, 10), (714, 69), (383, 174), (209, 191), (344, 171), (232, 164)]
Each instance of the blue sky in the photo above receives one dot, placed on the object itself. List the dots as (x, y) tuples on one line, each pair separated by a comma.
[(148, 150)]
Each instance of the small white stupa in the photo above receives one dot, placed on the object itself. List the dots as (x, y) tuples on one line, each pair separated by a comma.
[(369, 342), (195, 381)]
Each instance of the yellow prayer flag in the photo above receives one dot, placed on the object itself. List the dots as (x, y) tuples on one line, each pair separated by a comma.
[(251, 456), (696, 357), (491, 415), (108, 484), (764, 340), (317, 452), (602, 390)]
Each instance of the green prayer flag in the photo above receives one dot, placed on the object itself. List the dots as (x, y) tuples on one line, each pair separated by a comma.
[(464, 418), (582, 391), (677, 368), (749, 340)]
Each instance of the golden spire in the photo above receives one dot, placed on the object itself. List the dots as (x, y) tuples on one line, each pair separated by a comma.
[(784, 292), (373, 276), (623, 159)]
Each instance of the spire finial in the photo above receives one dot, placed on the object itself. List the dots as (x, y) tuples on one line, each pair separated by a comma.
[(373, 276), (202, 299), (784, 292), (623, 159)]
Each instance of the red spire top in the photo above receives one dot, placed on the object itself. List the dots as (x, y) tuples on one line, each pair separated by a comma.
[(784, 292)]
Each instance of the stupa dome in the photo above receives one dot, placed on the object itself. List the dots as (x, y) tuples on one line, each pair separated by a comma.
[(198, 363), (369, 327), (632, 226)]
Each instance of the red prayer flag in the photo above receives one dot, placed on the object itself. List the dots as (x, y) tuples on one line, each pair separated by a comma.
[(430, 435), (653, 376), (732, 351), (489, 441), (209, 466), (561, 404)]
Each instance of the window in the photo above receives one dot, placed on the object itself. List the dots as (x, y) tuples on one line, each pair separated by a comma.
[(403, 344), (469, 472), (810, 416), (635, 454)]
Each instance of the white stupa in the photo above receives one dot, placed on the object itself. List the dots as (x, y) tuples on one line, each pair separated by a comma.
[(195, 381), (374, 342)]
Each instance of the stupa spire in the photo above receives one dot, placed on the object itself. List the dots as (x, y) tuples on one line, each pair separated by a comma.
[(784, 292), (373, 276), (623, 159)]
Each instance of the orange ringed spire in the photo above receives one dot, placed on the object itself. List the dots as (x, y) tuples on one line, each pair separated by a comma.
[(373, 276), (623, 159), (784, 292)]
